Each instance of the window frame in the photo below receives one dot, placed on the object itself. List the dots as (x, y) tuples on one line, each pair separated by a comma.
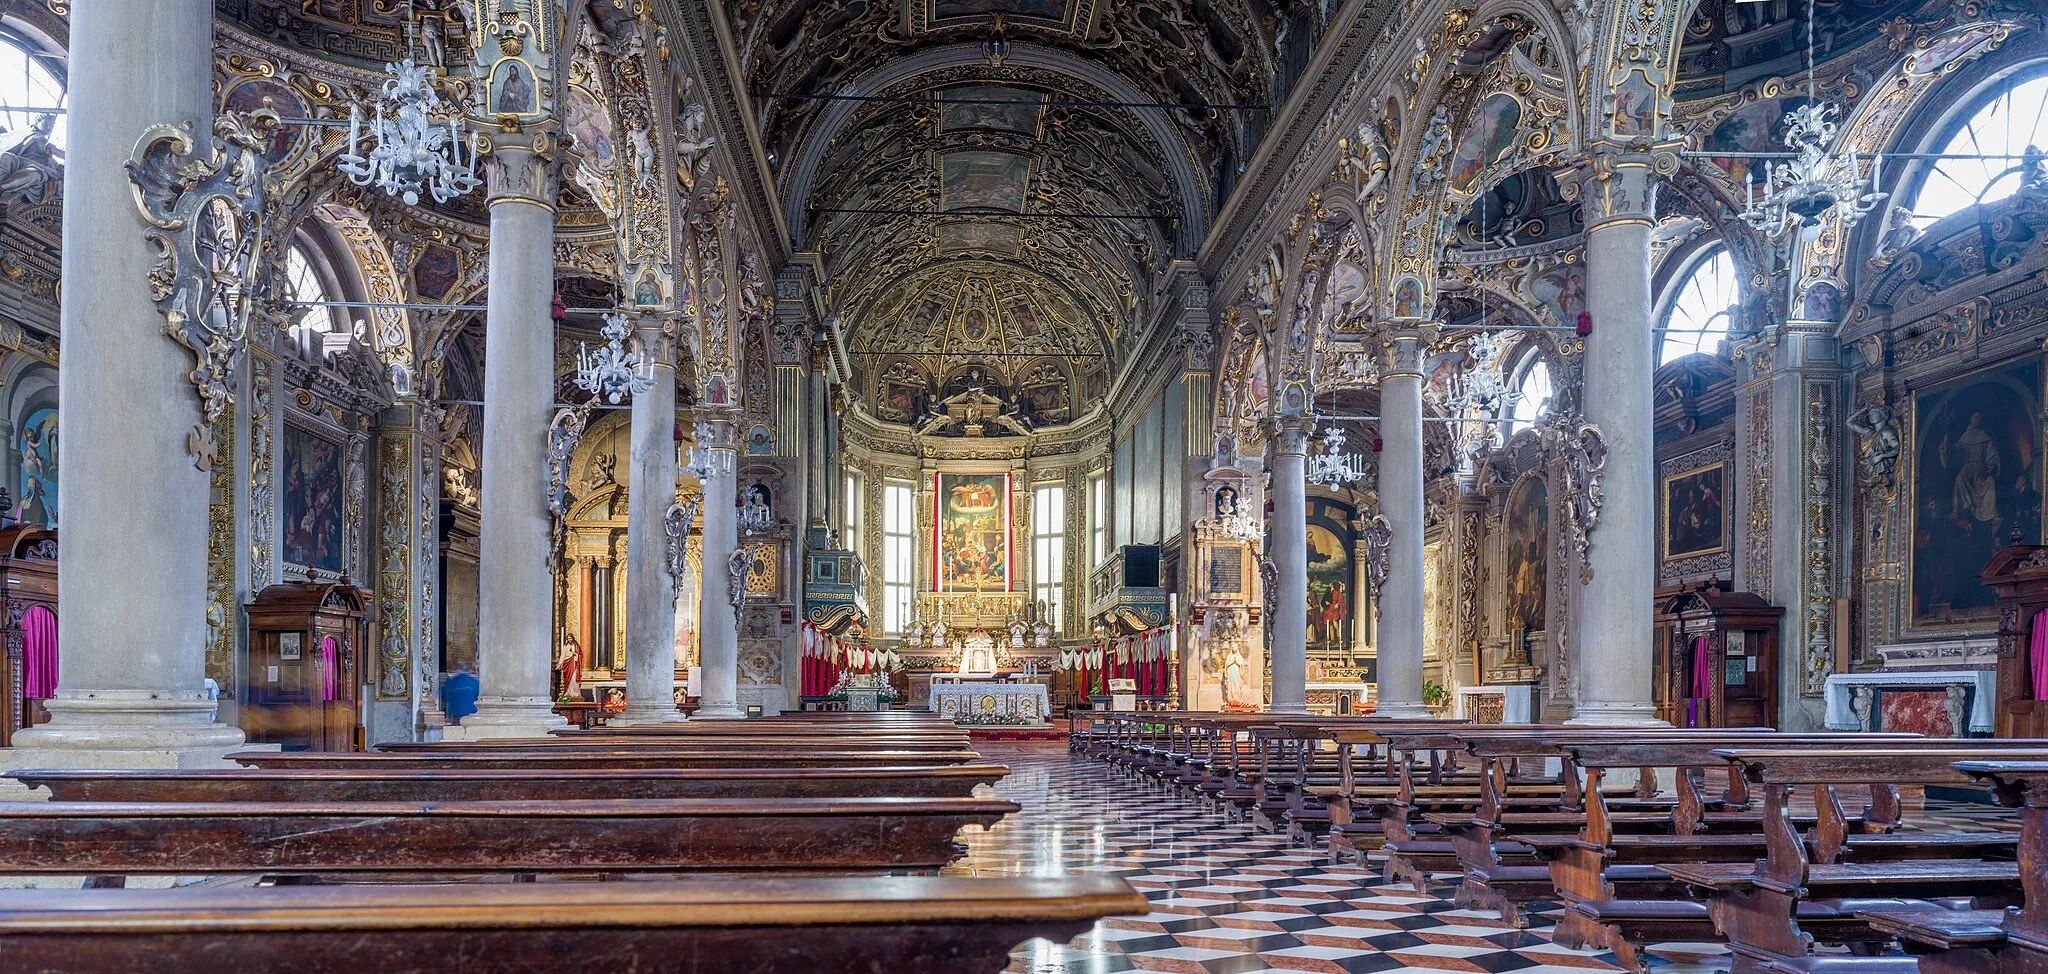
[(1048, 545), (899, 562), (1712, 251), (1947, 129)]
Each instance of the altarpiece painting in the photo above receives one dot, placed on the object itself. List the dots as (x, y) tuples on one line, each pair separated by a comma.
[(312, 500), (971, 533), (1976, 487)]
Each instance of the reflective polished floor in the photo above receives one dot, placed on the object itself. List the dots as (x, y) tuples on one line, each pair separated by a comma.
[(1226, 899)]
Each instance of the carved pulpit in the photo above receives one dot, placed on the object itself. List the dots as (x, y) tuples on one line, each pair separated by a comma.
[(2020, 576), (305, 675), (1717, 660)]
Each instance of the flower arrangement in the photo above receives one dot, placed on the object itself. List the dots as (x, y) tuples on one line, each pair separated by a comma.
[(990, 720), (882, 694)]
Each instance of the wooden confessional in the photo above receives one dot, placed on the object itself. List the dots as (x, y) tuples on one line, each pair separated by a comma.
[(2020, 576), (305, 678), (28, 567), (1717, 658)]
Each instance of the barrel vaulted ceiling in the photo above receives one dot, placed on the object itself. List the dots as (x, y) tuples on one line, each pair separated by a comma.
[(1065, 149)]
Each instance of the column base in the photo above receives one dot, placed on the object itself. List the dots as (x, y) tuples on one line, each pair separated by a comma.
[(1615, 715), (722, 710), (123, 729), (1401, 710), (1288, 708), (506, 717), (648, 715)]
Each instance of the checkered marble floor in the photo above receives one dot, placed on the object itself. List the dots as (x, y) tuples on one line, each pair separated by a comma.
[(1226, 899)]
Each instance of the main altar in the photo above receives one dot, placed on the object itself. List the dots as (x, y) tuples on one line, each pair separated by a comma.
[(1026, 702)]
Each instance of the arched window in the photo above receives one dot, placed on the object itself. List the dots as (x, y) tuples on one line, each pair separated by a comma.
[(303, 282), (27, 80), (1533, 389), (1700, 312), (2004, 124)]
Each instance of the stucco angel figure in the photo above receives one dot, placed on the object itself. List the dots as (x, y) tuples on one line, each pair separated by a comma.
[(1878, 453)]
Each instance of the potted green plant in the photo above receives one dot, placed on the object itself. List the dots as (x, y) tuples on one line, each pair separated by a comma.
[(1434, 694)]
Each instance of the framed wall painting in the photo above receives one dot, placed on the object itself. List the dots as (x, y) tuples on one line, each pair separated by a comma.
[(1695, 511), (1331, 601), (312, 499), (1527, 519), (971, 532), (1976, 487)]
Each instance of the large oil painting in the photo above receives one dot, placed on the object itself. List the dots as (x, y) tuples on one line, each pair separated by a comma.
[(983, 180), (1528, 554), (1329, 577), (971, 549), (37, 500), (1695, 521), (1004, 109), (312, 500), (1976, 486), (1047, 9)]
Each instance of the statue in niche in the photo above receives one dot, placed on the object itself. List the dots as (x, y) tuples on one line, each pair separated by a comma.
[(601, 470), (571, 665)]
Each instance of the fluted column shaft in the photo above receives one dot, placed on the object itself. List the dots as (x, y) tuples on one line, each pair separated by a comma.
[(650, 590), (515, 592), (1290, 563), (1401, 603), (132, 671), (718, 631)]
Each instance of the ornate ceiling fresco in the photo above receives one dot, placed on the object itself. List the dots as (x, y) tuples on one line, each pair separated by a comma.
[(1063, 148), (364, 33)]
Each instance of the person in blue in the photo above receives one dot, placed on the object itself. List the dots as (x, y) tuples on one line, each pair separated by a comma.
[(458, 692)]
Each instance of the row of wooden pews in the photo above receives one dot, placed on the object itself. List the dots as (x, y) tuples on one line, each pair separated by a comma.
[(558, 853), (1750, 839)]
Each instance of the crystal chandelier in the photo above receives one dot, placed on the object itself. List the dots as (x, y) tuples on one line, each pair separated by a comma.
[(1483, 387), (1799, 191), (613, 371), (1333, 467), (413, 153)]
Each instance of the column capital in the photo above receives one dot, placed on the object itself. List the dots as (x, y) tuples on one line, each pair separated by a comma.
[(654, 337), (1616, 184), (520, 169), (1406, 343), (719, 431), (1291, 434)]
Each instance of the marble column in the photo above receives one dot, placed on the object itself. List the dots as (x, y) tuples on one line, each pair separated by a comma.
[(1400, 492), (1289, 535), (650, 590), (718, 630), (515, 595), (1612, 637), (131, 677)]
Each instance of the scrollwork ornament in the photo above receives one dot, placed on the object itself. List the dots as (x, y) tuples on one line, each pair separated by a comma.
[(205, 220), (563, 433), (676, 530), (1379, 545), (1582, 453)]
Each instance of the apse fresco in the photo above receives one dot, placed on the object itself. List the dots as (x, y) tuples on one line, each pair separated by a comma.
[(1330, 576), (1976, 487), (36, 500), (971, 543), (591, 126), (1528, 554), (312, 500)]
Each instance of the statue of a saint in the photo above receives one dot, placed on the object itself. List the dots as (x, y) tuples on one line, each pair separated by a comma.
[(572, 668)]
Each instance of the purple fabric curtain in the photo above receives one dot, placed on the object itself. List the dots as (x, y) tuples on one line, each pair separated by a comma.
[(2038, 656), (39, 653), (1702, 680), (330, 661)]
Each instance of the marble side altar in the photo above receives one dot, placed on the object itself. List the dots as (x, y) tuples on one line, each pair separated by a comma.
[(1026, 701), (1958, 702)]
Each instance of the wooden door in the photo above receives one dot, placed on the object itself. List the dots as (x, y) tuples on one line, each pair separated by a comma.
[(1748, 666), (284, 691)]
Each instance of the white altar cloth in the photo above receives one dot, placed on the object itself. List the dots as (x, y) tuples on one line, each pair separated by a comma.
[(1842, 717), (1025, 700)]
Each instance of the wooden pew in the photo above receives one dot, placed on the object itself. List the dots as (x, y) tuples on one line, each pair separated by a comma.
[(310, 838), (1803, 891), (911, 925), (413, 785), (508, 758), (1990, 941), (747, 746)]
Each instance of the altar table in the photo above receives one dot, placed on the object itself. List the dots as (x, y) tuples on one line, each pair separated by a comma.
[(1964, 698), (1025, 700)]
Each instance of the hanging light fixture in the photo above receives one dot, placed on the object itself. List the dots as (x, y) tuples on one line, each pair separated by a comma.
[(412, 153), (1333, 467), (1482, 388), (613, 371), (1798, 192)]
